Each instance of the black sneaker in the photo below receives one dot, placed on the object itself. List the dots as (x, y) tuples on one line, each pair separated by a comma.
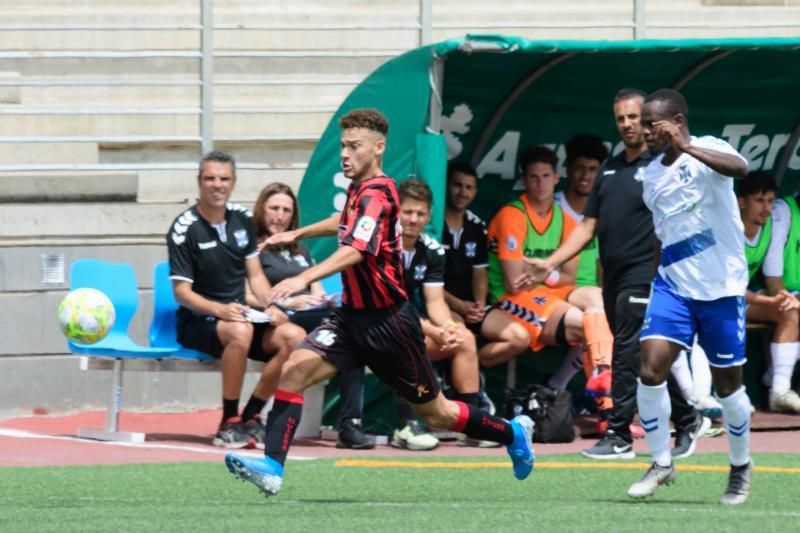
[(611, 446), (738, 485), (351, 435), (686, 440), (232, 433), (257, 431)]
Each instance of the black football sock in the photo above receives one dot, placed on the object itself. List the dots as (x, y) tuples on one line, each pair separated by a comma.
[(480, 425), (282, 422), (254, 407), (470, 398), (230, 408)]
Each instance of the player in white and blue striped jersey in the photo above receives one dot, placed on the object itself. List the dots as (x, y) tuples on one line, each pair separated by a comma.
[(700, 284)]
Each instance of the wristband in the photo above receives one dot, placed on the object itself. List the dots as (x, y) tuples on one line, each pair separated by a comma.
[(552, 279)]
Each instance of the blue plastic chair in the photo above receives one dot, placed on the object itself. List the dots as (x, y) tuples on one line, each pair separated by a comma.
[(163, 332), (333, 285), (118, 282)]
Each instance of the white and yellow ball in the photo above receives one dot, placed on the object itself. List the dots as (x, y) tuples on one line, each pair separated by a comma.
[(86, 316)]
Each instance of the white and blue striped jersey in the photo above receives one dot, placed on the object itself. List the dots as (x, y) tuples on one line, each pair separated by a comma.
[(696, 217)]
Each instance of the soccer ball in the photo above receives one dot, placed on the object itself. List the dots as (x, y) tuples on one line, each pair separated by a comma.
[(86, 316)]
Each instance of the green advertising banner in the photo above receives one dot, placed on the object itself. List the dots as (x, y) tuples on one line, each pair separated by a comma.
[(499, 94)]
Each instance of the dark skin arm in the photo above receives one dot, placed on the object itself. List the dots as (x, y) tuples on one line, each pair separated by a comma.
[(722, 163)]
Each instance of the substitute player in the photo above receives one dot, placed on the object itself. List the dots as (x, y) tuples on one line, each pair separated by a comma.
[(376, 325), (699, 287)]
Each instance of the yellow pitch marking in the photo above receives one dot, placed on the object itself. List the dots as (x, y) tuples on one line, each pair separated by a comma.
[(369, 463)]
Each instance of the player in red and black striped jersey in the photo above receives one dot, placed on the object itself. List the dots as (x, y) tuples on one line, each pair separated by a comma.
[(376, 324)]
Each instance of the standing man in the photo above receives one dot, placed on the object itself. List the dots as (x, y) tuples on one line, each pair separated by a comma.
[(618, 216), (376, 324), (700, 284), (212, 250)]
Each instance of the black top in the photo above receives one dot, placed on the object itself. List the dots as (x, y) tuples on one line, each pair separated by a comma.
[(214, 266), (424, 265), (281, 264), (624, 223), (464, 252)]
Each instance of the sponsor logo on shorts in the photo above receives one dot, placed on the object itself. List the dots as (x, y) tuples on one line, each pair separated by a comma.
[(725, 355), (646, 323), (422, 390), (325, 337)]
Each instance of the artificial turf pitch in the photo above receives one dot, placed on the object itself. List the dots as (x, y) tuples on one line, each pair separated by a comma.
[(565, 493)]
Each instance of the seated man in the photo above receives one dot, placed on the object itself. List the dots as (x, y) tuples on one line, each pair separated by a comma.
[(466, 282), (771, 243), (212, 250), (557, 312), (585, 155), (423, 274)]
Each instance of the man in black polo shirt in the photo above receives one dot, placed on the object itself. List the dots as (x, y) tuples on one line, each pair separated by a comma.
[(616, 213), (466, 280), (212, 249)]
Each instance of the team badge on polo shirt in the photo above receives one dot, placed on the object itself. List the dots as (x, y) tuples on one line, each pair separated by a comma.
[(470, 248), (241, 238), (419, 272), (364, 228)]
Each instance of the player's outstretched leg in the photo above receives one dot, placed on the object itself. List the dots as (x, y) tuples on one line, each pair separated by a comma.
[(521, 449), (736, 414), (476, 424), (654, 412), (267, 473)]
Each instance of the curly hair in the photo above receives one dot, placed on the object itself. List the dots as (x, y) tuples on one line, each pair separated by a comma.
[(262, 231), (370, 119)]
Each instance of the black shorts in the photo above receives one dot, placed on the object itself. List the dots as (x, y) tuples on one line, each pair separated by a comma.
[(199, 332), (389, 341)]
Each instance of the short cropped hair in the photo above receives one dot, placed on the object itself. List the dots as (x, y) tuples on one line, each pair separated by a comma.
[(217, 156), (537, 154), (629, 92), (675, 102), (588, 146), (757, 182), (370, 119), (461, 168), (415, 189)]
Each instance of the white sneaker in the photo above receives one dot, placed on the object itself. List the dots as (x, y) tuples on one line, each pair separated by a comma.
[(414, 437), (788, 402), (653, 478), (710, 407)]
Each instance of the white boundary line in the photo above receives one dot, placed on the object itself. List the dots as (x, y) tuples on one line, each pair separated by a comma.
[(21, 434)]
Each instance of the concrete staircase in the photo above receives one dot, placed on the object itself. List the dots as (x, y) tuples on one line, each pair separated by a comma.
[(100, 126)]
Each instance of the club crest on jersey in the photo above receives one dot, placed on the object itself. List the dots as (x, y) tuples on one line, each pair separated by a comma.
[(511, 243), (241, 237), (470, 248), (364, 228), (419, 272), (684, 175)]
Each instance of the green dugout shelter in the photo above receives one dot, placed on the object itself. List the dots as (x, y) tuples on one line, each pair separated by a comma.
[(483, 98)]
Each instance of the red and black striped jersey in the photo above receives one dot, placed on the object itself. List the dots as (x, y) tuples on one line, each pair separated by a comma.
[(370, 223)]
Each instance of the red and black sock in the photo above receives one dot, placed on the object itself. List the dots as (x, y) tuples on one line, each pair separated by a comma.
[(230, 408), (254, 407), (281, 424), (480, 425)]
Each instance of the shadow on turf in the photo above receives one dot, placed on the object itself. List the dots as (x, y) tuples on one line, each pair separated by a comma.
[(646, 501)]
